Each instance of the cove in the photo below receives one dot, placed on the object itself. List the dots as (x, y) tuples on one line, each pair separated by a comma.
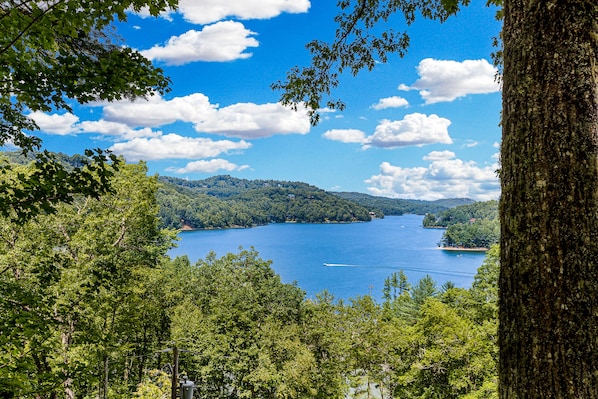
[(347, 260)]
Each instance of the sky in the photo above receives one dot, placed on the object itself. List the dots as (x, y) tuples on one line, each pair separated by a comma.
[(425, 126)]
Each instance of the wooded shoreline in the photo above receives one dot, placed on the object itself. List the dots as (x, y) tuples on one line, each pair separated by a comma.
[(463, 249)]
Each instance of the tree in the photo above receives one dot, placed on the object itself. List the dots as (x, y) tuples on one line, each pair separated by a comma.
[(74, 292), (449, 356), (53, 52), (549, 175), (242, 325), (157, 385), (325, 333), (549, 208)]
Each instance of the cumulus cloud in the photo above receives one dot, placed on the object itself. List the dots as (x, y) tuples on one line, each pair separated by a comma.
[(173, 146), (250, 121), (345, 135), (156, 111), (67, 124), (445, 80), (131, 126), (242, 120), (222, 41), (211, 166), (119, 130), (59, 124), (208, 11), (445, 177), (390, 102), (413, 130)]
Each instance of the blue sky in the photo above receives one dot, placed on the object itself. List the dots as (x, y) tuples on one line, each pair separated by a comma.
[(425, 126)]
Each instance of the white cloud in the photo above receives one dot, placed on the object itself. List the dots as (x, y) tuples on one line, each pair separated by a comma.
[(242, 120), (390, 102), (172, 146), (345, 135), (211, 166), (208, 11), (66, 124), (445, 177), (119, 130), (155, 111), (444, 80), (250, 121), (414, 129), (59, 124), (222, 41), (439, 155), (134, 120)]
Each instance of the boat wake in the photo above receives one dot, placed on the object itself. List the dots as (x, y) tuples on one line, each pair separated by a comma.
[(454, 273), (340, 265)]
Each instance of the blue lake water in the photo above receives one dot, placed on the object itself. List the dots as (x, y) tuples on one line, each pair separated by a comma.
[(346, 259)]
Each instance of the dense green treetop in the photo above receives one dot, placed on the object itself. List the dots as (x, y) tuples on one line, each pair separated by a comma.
[(469, 226), (73, 288)]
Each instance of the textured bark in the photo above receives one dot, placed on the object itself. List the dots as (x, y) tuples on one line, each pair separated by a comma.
[(548, 332)]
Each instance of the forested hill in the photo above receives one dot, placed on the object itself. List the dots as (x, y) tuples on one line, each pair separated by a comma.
[(224, 201), (397, 206), (468, 226)]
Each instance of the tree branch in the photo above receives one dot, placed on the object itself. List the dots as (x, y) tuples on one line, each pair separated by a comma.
[(33, 21)]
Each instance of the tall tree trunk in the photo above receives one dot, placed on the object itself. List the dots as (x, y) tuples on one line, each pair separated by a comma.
[(548, 334)]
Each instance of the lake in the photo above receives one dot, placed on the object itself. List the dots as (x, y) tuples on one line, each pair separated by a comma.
[(346, 259)]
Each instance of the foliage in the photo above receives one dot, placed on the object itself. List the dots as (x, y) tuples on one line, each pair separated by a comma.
[(53, 52), (242, 326), (48, 182), (482, 233), (463, 214), (224, 201), (157, 385), (74, 288), (450, 355)]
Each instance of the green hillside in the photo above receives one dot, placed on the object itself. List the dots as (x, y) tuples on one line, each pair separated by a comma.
[(224, 201)]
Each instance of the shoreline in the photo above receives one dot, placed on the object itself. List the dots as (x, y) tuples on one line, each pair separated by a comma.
[(463, 249), (186, 228)]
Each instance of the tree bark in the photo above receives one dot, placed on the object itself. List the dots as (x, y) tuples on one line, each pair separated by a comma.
[(548, 332)]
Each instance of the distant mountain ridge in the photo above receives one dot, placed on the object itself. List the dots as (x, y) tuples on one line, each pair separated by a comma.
[(399, 206)]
